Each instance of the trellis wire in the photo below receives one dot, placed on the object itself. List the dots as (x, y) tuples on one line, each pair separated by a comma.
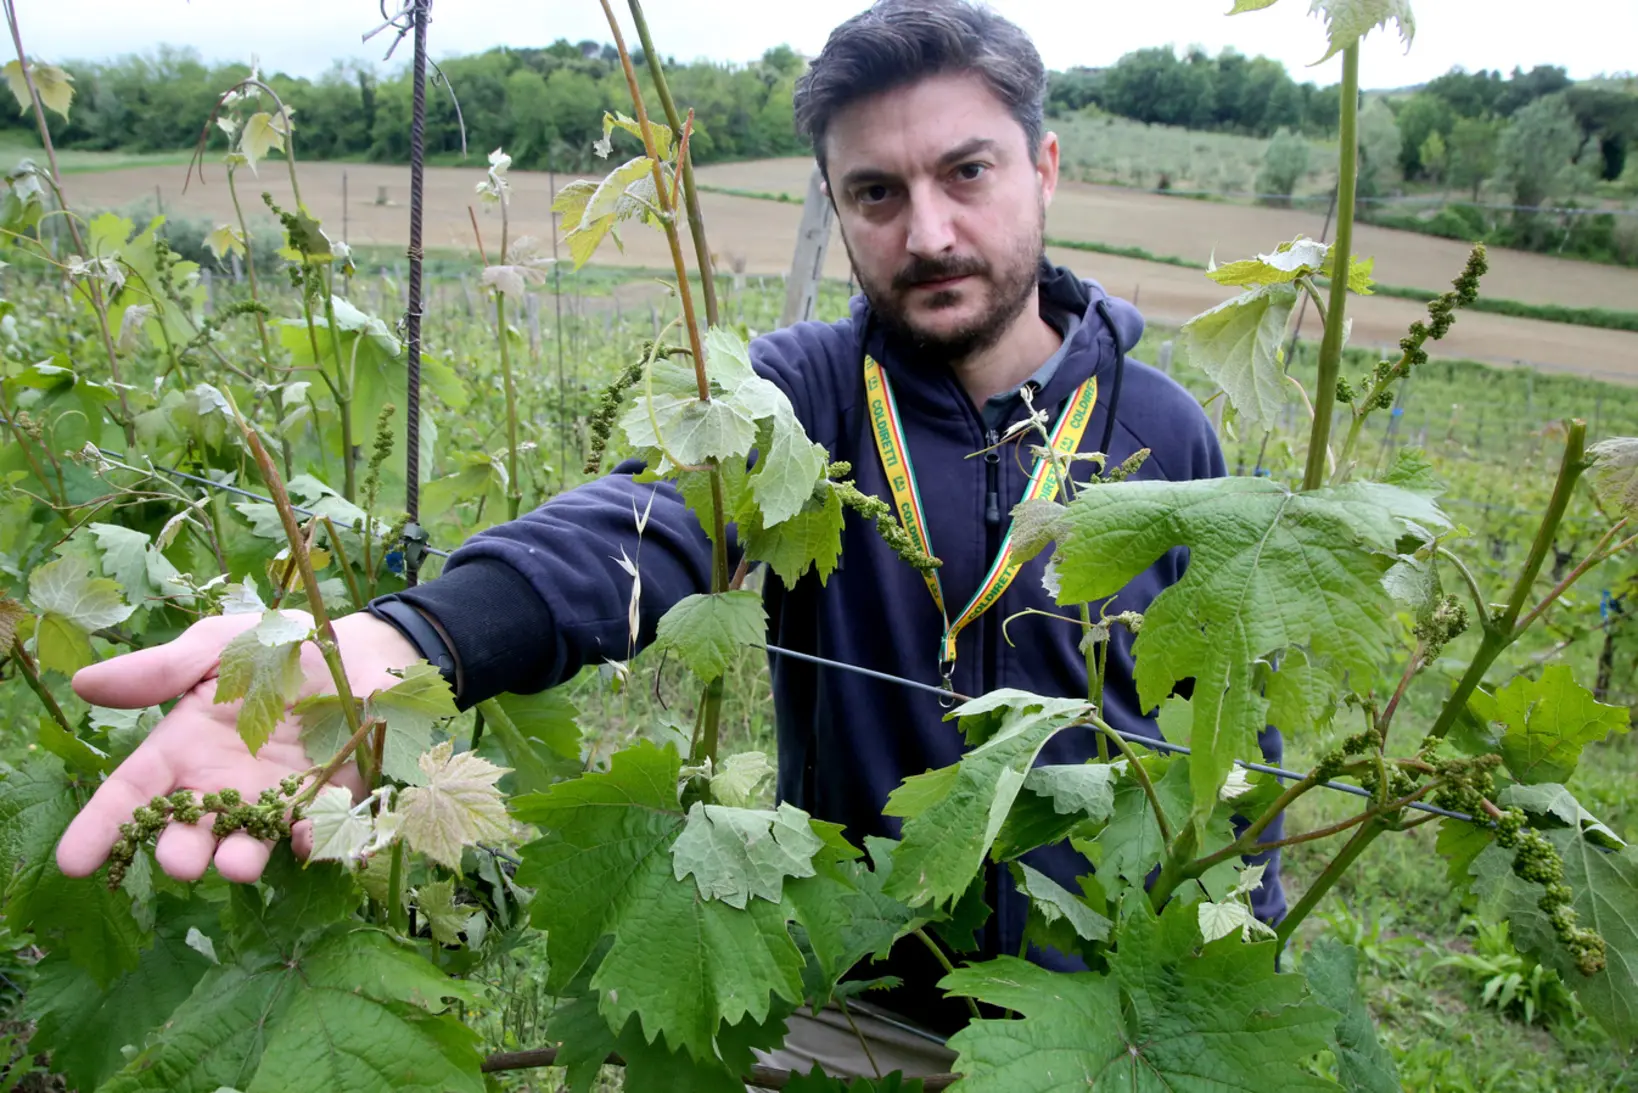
[(886, 677)]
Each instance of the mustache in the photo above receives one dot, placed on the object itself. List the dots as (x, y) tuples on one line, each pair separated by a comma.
[(922, 270)]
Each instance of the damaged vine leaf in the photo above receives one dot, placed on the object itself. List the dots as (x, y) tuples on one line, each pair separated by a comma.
[(1268, 570), (1168, 1015), (1347, 21), (411, 710), (734, 854), (953, 815), (446, 918), (592, 211), (606, 860), (457, 806), (1615, 469), (262, 666), (1547, 722)]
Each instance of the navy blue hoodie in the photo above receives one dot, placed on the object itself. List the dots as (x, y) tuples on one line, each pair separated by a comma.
[(527, 604)]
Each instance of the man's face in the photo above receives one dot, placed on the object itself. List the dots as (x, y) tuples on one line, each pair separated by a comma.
[(942, 209)]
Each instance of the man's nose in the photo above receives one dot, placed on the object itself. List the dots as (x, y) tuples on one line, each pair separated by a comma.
[(932, 226)]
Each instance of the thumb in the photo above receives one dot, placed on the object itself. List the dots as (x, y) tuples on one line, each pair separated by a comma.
[(151, 676)]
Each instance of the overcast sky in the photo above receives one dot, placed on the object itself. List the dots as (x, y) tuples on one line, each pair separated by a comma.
[(303, 37)]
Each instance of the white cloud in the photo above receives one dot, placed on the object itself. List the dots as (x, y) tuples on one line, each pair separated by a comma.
[(304, 37)]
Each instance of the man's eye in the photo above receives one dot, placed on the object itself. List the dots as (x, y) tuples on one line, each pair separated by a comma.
[(969, 172), (871, 195)]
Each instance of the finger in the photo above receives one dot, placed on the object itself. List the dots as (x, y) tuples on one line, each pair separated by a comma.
[(92, 834), (163, 672), (242, 858), (184, 851), (301, 839)]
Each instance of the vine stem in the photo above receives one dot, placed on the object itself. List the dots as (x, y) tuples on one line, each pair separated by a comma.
[(1330, 362), (1412, 666), (397, 917), (98, 303), (1138, 772), (944, 962), (711, 701), (1481, 608), (1327, 880), (298, 548), (31, 674), (1597, 555), (250, 271), (1503, 630), (691, 197)]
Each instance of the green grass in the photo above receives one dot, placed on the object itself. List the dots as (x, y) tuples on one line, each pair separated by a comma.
[(15, 146)]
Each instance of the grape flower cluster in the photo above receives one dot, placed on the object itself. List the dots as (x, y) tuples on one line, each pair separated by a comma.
[(268, 818)]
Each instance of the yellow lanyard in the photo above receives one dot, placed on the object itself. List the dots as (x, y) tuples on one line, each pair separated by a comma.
[(901, 479)]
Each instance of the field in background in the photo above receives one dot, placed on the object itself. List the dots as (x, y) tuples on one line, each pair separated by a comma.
[(755, 236)]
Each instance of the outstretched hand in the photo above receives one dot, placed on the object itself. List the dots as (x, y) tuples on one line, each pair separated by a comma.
[(197, 745)]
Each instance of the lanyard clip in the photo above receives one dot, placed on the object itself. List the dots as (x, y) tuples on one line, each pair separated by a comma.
[(946, 671)]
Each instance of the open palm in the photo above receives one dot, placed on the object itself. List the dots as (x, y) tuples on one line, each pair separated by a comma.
[(197, 745)]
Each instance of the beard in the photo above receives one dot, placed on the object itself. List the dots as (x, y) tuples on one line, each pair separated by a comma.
[(1010, 286)]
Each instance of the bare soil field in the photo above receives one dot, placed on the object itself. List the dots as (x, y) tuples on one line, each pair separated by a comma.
[(756, 236)]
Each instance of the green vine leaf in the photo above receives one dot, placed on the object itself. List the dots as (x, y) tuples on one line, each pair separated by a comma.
[(78, 917), (706, 630), (262, 133), (445, 917), (1363, 1064), (953, 815), (411, 710), (72, 605), (85, 1027), (1268, 570), (1058, 918), (459, 806), (604, 868), (349, 1011), (1163, 1018), (1548, 721), (1347, 21), (1240, 345), (262, 666), (735, 854), (616, 120), (593, 210), (538, 735)]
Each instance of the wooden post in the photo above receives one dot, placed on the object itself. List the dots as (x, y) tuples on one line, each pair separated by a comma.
[(808, 263)]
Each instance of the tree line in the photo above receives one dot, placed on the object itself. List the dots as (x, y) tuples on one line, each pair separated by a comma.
[(544, 106)]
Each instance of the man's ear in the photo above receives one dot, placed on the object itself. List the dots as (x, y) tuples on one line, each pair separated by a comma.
[(1046, 165)]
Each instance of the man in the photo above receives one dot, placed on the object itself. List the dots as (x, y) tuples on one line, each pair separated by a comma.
[(926, 119)]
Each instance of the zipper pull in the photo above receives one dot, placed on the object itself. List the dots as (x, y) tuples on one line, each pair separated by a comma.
[(992, 460)]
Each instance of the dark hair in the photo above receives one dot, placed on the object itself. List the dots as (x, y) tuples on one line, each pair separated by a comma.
[(896, 43)]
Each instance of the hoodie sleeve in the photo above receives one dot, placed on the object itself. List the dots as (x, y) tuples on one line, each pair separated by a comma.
[(527, 604)]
